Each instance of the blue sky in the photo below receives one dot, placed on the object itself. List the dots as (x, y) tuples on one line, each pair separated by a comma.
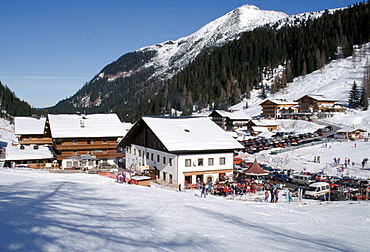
[(50, 49)]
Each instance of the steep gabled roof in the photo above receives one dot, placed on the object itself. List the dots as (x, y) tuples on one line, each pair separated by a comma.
[(256, 170), (180, 134), (85, 126), (29, 125)]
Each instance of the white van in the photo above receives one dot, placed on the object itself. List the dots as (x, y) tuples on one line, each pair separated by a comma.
[(317, 189), (302, 179)]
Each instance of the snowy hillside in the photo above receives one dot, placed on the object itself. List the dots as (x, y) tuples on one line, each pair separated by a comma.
[(335, 81)]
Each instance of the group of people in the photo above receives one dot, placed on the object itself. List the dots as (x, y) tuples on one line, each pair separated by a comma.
[(273, 191), (317, 159)]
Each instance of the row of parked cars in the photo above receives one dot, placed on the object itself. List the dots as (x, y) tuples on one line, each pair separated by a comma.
[(279, 140), (283, 139)]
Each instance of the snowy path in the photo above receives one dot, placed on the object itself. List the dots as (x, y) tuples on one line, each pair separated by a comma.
[(80, 212)]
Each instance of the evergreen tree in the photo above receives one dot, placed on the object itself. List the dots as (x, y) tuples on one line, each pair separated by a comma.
[(354, 97)]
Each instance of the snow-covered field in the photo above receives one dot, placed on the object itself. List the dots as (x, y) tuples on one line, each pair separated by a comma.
[(81, 212)]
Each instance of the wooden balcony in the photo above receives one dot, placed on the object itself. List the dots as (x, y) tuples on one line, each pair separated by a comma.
[(107, 146), (36, 141), (98, 156)]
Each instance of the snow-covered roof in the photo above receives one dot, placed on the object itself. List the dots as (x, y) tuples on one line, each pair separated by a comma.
[(349, 129), (29, 125), (259, 129), (236, 115), (265, 123), (190, 134), (280, 102), (319, 97), (28, 153), (84, 126)]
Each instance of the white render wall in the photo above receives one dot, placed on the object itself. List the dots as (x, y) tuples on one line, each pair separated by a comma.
[(137, 156), (229, 158)]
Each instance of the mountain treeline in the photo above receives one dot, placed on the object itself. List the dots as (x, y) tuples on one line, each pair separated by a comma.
[(218, 79), (11, 105), (121, 88)]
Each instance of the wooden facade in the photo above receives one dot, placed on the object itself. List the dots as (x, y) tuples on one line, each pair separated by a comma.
[(40, 136), (101, 148), (276, 108), (314, 104)]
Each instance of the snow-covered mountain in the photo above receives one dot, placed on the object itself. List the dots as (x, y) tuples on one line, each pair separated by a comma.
[(166, 59), (139, 75), (171, 56)]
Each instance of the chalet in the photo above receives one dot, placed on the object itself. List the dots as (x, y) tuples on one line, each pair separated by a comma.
[(86, 141), (32, 130), (350, 133), (229, 120), (32, 156), (310, 104), (258, 126), (180, 151), (277, 108)]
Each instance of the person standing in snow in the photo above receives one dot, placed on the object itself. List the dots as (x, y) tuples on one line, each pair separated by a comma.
[(266, 196), (289, 198), (276, 194), (335, 161), (318, 159), (203, 191)]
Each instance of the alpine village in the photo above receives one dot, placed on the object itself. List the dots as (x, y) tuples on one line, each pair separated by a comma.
[(216, 116)]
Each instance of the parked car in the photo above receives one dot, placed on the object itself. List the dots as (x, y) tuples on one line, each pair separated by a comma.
[(105, 166), (315, 190), (302, 179), (282, 177)]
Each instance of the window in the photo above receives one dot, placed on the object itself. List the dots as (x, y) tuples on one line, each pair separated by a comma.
[(200, 161), (69, 164), (210, 161), (187, 162), (139, 153), (170, 178), (104, 141), (75, 163), (164, 176), (164, 160), (158, 158), (222, 160), (170, 161), (135, 152), (74, 141), (90, 141), (74, 153), (147, 155), (152, 156)]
